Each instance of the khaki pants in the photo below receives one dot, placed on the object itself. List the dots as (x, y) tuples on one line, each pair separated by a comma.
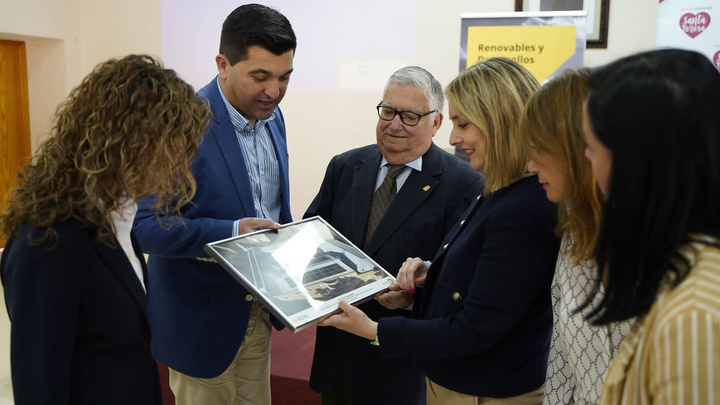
[(246, 380), (437, 395)]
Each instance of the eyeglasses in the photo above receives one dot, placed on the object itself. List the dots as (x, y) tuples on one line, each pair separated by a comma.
[(408, 118)]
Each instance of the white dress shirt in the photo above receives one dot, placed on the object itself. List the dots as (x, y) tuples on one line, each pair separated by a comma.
[(122, 220)]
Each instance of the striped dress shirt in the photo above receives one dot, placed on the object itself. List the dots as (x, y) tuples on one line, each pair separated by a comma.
[(260, 161), (672, 354)]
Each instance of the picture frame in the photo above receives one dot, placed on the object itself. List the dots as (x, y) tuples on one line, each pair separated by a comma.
[(301, 271), (598, 15)]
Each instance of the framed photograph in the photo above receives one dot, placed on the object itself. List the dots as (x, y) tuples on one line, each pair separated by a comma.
[(301, 271), (597, 18)]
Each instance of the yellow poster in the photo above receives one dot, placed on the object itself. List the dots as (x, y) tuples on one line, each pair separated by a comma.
[(542, 49)]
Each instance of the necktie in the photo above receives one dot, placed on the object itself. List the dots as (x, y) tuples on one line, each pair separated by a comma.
[(382, 198)]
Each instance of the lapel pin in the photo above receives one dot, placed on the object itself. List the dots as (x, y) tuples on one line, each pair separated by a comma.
[(426, 188)]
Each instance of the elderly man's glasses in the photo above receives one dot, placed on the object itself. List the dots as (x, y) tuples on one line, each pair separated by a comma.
[(408, 118)]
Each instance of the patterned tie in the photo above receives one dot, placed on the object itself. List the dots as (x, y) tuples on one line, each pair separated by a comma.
[(382, 198)]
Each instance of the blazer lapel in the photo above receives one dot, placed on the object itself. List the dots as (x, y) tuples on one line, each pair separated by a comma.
[(457, 229), (417, 188), (120, 266), (362, 188), (226, 137), (413, 193), (439, 256)]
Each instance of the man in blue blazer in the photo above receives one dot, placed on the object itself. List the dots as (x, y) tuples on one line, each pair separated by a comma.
[(433, 190), (212, 334)]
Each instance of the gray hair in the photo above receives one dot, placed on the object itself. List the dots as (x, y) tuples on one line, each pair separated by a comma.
[(422, 79)]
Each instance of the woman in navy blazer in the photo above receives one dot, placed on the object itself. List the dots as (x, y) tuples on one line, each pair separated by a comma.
[(484, 319), (73, 274)]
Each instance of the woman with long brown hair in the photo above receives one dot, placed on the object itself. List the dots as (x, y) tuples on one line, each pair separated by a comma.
[(73, 274), (551, 128)]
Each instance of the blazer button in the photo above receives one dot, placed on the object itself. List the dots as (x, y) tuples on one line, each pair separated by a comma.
[(446, 245), (462, 222), (457, 296), (248, 297)]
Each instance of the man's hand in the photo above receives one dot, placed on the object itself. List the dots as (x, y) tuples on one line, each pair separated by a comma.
[(249, 224), (395, 298)]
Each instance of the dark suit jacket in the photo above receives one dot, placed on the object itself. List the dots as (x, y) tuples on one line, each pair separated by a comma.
[(80, 330), (485, 309), (199, 313), (426, 207)]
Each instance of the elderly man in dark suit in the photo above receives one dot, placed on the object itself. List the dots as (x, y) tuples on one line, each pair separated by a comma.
[(425, 190)]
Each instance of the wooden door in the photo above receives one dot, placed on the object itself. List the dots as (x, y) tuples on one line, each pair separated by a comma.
[(14, 117)]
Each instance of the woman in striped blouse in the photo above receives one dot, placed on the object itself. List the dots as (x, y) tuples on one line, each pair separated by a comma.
[(652, 129)]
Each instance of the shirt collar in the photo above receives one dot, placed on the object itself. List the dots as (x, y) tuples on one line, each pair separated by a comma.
[(123, 217), (415, 164)]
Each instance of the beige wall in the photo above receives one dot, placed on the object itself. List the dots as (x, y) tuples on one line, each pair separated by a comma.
[(67, 38), (313, 140)]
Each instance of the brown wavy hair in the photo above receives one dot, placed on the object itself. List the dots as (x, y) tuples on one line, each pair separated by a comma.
[(130, 129), (552, 124), (492, 94)]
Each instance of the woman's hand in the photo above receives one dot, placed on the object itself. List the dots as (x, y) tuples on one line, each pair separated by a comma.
[(412, 273), (352, 320), (395, 297)]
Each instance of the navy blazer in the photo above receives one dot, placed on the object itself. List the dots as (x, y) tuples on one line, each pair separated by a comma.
[(424, 210), (199, 313), (485, 308), (80, 332)]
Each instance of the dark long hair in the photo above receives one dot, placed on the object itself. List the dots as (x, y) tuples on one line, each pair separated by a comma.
[(659, 114)]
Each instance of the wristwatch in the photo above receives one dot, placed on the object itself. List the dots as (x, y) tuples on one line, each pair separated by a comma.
[(375, 342)]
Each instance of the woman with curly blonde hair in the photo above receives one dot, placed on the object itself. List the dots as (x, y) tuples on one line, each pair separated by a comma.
[(73, 274)]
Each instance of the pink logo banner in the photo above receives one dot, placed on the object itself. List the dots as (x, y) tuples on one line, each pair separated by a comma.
[(694, 24)]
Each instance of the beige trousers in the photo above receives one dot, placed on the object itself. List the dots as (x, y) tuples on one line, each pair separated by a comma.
[(246, 381), (438, 395)]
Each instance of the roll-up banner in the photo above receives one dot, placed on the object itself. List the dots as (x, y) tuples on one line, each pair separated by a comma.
[(546, 43)]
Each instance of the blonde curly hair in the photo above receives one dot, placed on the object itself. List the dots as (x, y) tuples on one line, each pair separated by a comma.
[(130, 129)]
